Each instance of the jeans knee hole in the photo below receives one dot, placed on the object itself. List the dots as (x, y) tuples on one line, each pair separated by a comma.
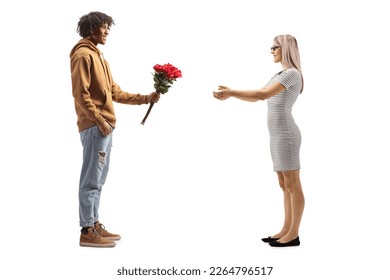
[(102, 158)]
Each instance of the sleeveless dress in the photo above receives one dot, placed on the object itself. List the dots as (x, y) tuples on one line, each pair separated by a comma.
[(285, 136)]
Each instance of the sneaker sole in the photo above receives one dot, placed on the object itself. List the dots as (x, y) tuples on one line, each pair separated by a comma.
[(112, 238), (107, 245)]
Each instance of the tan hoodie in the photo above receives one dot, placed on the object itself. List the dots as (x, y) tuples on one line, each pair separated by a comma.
[(93, 87)]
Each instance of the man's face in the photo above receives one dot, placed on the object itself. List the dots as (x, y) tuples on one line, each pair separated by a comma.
[(99, 36)]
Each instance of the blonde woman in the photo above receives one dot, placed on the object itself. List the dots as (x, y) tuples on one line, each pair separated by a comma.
[(281, 92)]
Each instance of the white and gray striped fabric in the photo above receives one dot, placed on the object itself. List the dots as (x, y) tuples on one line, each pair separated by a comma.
[(285, 136)]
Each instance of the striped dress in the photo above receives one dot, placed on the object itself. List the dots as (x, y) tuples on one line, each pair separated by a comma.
[(285, 136)]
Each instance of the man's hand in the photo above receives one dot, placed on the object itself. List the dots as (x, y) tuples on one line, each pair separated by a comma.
[(153, 97), (105, 128)]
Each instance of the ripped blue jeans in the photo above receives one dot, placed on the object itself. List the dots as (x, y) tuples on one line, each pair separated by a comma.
[(96, 161)]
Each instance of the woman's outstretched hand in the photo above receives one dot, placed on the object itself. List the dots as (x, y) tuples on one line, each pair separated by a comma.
[(222, 93)]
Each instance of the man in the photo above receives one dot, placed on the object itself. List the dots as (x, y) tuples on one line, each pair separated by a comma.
[(94, 92)]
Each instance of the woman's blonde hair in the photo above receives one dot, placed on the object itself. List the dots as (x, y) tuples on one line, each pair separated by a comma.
[(290, 52)]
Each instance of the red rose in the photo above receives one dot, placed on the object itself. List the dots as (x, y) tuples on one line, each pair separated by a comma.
[(163, 77), (170, 71)]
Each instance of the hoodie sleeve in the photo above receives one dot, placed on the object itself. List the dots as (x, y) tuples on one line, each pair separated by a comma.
[(81, 80), (127, 98)]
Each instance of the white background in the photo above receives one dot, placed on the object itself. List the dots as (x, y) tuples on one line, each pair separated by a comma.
[(194, 186)]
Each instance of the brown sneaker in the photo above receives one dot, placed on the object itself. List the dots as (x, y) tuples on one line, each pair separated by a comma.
[(94, 239), (103, 232)]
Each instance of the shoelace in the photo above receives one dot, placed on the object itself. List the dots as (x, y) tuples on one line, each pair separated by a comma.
[(96, 233), (101, 225)]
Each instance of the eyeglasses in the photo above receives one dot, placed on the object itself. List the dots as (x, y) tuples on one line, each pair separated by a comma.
[(274, 48)]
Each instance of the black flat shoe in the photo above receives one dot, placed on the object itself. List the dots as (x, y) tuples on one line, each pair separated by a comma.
[(269, 239), (294, 242)]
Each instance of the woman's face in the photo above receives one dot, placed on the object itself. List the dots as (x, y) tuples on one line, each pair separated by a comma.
[(276, 51)]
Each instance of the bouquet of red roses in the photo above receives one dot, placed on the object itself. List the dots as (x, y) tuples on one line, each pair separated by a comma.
[(163, 77)]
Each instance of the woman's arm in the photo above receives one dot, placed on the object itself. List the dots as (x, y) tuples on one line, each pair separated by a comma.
[(224, 92)]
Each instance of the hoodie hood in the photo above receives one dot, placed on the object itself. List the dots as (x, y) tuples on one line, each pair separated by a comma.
[(84, 43)]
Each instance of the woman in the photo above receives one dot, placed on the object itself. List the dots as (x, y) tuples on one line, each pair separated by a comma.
[(281, 93)]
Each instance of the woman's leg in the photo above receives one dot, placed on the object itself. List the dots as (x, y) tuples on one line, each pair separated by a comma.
[(294, 194), (287, 207)]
